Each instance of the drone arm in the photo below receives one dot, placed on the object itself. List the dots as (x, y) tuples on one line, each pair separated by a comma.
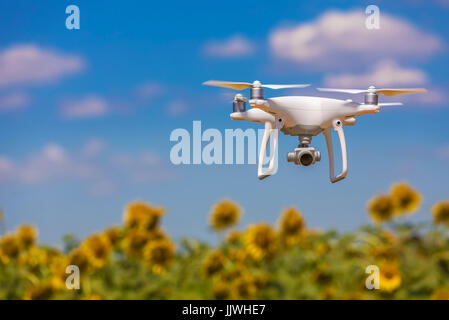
[(338, 126)]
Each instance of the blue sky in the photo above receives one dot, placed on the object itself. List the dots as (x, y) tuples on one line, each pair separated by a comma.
[(86, 115)]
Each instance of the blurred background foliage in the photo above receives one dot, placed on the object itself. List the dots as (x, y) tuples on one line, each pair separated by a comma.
[(139, 260)]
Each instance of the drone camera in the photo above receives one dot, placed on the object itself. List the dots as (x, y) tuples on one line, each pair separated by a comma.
[(304, 156)]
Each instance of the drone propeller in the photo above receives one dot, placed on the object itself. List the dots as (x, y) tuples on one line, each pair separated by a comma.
[(386, 91), (255, 84)]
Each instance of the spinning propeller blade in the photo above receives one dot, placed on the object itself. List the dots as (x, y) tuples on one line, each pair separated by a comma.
[(245, 85), (228, 84), (386, 91)]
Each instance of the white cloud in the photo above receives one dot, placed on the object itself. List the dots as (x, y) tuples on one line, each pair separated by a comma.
[(23, 64), (177, 108), (54, 163), (385, 73), (93, 147), (340, 39), (147, 167), (235, 46), (13, 101), (149, 90), (433, 96), (88, 107)]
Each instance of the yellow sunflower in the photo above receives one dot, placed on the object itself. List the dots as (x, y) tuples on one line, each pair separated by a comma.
[(39, 292), (142, 215), (406, 199), (381, 208), (221, 291), (440, 212), (58, 268), (114, 235), (238, 255), (244, 288), (234, 236), (440, 294), (27, 235), (224, 214), (328, 293), (9, 248), (157, 234), (158, 255), (231, 275), (97, 248), (291, 224), (260, 241), (134, 242), (321, 275), (385, 253), (214, 263), (389, 277), (79, 258), (34, 259)]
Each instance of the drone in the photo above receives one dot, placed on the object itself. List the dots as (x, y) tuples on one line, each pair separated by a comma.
[(304, 117)]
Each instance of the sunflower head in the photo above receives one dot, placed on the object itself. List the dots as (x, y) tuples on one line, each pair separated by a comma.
[(213, 263), (221, 291), (39, 292), (322, 275), (291, 225), (239, 255), (27, 235), (389, 277), (328, 293), (224, 214), (78, 257), (440, 212), (385, 253), (244, 288), (406, 199), (234, 236), (158, 255), (97, 248), (9, 247), (58, 268), (34, 259), (135, 241), (440, 294), (260, 241), (142, 215), (114, 235), (231, 275), (381, 208)]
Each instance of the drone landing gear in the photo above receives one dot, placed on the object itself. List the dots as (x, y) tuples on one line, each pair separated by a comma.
[(338, 127), (271, 130)]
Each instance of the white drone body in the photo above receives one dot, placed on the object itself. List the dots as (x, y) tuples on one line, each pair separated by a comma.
[(304, 117)]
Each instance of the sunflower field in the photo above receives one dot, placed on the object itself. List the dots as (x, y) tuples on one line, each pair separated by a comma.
[(288, 260)]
